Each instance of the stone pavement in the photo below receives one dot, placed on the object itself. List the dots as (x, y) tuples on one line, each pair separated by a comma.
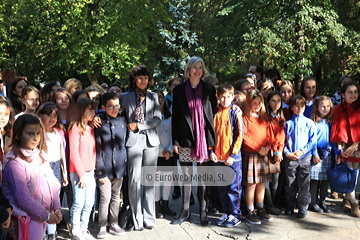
[(335, 225)]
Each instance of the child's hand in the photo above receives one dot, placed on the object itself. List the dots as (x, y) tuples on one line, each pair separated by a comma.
[(292, 156), (213, 157), (229, 161), (263, 151), (97, 122), (132, 126), (298, 153), (6, 224), (166, 154), (350, 150), (103, 180), (278, 157), (53, 219), (316, 159), (177, 149), (58, 214)]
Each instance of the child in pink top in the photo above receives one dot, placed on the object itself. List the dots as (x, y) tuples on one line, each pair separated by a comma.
[(82, 165)]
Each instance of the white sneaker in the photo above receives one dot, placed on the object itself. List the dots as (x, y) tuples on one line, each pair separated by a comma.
[(87, 236), (102, 232), (116, 230)]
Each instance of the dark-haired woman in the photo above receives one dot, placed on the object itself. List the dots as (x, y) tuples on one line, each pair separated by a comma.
[(142, 112)]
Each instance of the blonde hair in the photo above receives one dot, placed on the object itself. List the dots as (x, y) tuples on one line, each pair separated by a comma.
[(72, 82), (315, 114), (191, 62), (250, 97)]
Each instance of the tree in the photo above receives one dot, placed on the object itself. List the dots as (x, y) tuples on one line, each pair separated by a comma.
[(179, 39)]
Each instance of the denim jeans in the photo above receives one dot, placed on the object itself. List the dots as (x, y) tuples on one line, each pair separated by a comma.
[(83, 202)]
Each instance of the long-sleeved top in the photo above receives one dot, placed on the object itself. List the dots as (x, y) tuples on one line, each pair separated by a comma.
[(82, 151), (300, 134), (345, 124), (165, 136), (257, 134), (278, 135), (323, 138), (287, 111), (111, 156), (21, 180), (229, 133)]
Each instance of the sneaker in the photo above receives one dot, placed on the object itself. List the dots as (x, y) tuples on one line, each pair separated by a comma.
[(232, 221), (263, 215), (87, 236), (252, 218), (116, 230), (222, 220), (102, 232)]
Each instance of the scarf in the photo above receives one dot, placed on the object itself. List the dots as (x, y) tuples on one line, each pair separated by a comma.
[(194, 99), (139, 112)]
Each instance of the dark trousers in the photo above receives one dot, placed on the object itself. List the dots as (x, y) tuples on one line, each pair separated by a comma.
[(298, 181), (186, 168), (230, 196)]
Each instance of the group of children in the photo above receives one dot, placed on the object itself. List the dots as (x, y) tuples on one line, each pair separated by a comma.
[(59, 135), (279, 136), (288, 142)]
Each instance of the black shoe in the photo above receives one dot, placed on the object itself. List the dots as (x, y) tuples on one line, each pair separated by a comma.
[(315, 208), (302, 212), (274, 210), (166, 210), (148, 226), (184, 216), (139, 229), (324, 207), (158, 210), (177, 193), (289, 211), (204, 221)]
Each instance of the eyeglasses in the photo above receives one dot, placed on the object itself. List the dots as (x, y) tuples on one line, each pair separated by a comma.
[(113, 107)]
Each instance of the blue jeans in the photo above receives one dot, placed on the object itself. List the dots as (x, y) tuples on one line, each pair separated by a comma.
[(83, 202)]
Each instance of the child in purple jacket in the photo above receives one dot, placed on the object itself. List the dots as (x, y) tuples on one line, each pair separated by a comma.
[(28, 181)]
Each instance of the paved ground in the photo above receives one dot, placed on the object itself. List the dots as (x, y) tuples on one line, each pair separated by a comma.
[(335, 225)]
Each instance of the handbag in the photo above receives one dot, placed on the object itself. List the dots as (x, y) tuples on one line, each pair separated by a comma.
[(342, 178)]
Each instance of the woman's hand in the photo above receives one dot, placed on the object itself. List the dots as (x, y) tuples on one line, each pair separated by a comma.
[(177, 149), (166, 154), (132, 126), (81, 183), (6, 224)]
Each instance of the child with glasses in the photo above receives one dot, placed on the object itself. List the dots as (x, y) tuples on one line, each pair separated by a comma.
[(111, 162)]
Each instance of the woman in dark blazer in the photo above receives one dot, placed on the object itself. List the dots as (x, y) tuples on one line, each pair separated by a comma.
[(193, 129), (141, 109)]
